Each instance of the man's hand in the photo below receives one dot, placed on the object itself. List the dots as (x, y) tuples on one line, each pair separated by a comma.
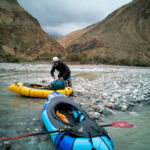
[(61, 78), (54, 77)]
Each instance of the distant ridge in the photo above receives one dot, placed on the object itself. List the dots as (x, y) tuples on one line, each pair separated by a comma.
[(21, 35), (123, 37)]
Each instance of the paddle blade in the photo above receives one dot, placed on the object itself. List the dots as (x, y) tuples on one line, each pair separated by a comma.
[(122, 124)]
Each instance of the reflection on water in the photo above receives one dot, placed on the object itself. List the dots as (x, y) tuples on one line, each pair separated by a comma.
[(136, 138), (21, 115)]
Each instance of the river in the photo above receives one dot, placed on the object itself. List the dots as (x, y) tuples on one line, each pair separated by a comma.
[(92, 83)]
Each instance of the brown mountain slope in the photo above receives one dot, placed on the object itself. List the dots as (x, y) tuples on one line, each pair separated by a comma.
[(67, 40), (22, 36), (124, 36)]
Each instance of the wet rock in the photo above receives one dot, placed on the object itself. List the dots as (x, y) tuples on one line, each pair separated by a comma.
[(95, 107), (28, 129), (44, 138), (5, 126), (17, 147), (124, 107), (7, 145), (79, 93), (43, 81), (88, 109), (107, 111), (1, 144), (22, 130), (112, 100), (116, 96), (37, 129), (106, 104), (95, 115), (133, 114), (130, 103), (100, 108)]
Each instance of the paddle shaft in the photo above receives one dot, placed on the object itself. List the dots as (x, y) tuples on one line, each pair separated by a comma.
[(106, 125), (119, 124), (30, 134)]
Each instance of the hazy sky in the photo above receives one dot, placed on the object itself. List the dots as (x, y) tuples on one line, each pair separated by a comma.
[(65, 16)]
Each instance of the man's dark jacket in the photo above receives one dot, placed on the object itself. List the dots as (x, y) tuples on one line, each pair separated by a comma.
[(63, 69)]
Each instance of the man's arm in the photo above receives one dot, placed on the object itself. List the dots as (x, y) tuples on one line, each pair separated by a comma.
[(52, 71)]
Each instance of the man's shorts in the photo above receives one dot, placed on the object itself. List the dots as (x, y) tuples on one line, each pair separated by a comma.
[(69, 78)]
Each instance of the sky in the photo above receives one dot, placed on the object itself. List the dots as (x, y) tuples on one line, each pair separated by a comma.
[(64, 16)]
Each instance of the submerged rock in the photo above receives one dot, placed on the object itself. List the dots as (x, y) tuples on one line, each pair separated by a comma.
[(44, 138), (7, 145)]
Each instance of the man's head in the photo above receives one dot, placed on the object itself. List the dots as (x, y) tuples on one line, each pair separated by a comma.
[(55, 60)]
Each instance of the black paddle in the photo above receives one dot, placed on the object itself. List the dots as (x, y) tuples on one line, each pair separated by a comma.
[(119, 124)]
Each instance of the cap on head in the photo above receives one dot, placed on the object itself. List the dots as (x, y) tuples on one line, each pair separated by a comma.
[(55, 59)]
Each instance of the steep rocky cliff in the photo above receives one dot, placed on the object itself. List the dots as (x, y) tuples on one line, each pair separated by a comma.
[(21, 35), (122, 37)]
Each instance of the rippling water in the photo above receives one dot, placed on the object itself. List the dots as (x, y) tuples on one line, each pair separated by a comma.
[(21, 115)]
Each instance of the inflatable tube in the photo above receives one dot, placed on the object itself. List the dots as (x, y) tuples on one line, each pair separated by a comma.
[(35, 90)]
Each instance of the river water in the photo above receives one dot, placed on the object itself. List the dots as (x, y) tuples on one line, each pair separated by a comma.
[(21, 115)]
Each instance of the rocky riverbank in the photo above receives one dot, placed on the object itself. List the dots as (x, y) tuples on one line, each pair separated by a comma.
[(107, 93), (115, 87), (102, 90)]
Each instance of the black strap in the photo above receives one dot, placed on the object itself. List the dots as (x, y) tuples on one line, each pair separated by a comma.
[(90, 139), (79, 115), (105, 143), (61, 138)]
